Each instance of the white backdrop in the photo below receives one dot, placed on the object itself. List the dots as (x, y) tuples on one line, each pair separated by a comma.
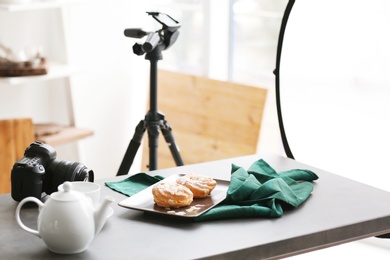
[(335, 88), (335, 94)]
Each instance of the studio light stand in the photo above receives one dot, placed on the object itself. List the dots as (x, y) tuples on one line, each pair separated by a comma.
[(154, 121)]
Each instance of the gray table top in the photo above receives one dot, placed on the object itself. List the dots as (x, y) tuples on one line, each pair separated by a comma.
[(338, 211)]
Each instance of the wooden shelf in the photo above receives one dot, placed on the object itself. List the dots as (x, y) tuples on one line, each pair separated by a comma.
[(50, 134), (55, 70), (64, 135), (37, 5)]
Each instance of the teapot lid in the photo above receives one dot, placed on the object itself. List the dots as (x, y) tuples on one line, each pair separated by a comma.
[(67, 194)]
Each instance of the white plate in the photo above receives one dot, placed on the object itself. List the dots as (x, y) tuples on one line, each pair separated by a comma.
[(143, 201)]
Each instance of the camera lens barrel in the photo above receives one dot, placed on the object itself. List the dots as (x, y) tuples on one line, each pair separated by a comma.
[(60, 171)]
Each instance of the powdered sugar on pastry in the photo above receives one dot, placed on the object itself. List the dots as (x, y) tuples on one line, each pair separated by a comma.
[(171, 195), (201, 186)]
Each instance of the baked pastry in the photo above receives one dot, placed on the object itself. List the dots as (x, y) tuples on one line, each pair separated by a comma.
[(201, 186), (171, 195)]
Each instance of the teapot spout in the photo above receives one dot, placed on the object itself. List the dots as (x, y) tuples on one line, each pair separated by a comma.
[(101, 213)]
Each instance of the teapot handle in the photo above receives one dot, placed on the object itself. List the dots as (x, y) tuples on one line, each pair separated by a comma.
[(19, 207)]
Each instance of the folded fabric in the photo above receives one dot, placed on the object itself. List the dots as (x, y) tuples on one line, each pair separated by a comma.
[(262, 192), (134, 183), (259, 191)]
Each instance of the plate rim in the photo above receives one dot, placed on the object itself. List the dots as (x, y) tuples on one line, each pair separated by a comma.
[(219, 198)]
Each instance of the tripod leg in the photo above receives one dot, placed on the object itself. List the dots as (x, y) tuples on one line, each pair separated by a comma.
[(153, 132), (132, 149), (168, 136)]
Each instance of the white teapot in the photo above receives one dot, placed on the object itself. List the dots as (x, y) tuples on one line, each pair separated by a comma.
[(67, 221)]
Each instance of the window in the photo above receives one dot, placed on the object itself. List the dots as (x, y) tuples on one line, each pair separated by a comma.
[(235, 39), (255, 32)]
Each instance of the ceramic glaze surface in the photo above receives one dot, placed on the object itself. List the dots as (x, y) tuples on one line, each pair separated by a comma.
[(75, 223), (68, 220)]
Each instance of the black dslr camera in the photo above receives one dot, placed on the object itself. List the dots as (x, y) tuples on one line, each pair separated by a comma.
[(38, 172)]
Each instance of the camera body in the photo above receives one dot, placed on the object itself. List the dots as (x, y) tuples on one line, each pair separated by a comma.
[(38, 172)]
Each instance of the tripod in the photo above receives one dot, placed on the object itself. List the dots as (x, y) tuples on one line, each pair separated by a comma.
[(153, 121)]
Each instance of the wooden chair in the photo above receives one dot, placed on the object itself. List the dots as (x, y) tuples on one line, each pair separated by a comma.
[(211, 119), (15, 136)]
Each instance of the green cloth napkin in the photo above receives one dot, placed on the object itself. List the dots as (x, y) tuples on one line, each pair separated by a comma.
[(257, 192), (262, 192), (134, 183)]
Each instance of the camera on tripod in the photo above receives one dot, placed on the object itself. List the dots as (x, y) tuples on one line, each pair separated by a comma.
[(39, 172), (154, 121), (163, 38)]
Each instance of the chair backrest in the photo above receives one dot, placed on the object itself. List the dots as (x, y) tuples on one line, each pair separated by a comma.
[(15, 136), (210, 119)]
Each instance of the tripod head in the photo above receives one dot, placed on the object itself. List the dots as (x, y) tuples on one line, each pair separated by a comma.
[(159, 40)]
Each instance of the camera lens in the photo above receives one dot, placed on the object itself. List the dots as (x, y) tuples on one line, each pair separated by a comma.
[(60, 171)]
